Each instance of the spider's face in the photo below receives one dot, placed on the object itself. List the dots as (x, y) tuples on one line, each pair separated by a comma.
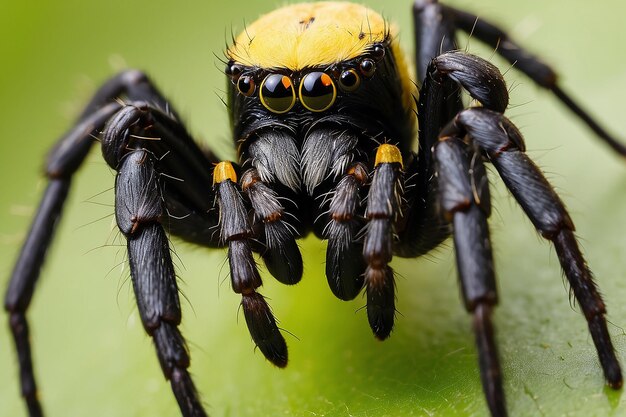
[(319, 65)]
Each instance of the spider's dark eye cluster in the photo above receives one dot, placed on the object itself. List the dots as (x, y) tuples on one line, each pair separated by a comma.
[(316, 90)]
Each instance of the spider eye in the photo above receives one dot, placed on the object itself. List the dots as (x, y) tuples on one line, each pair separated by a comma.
[(378, 52), (233, 70), (246, 85), (367, 67), (277, 93), (317, 91), (349, 80)]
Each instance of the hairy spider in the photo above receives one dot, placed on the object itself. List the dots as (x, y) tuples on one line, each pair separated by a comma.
[(326, 143)]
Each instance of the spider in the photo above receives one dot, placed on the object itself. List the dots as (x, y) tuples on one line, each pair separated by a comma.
[(325, 145)]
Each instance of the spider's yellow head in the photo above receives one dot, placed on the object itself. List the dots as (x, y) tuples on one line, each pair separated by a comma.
[(333, 61), (311, 35)]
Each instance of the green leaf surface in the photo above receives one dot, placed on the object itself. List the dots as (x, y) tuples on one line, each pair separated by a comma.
[(92, 356)]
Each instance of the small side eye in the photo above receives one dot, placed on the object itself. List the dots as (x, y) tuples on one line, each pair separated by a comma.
[(246, 85), (378, 52), (317, 91), (349, 80), (367, 67), (233, 70), (277, 93)]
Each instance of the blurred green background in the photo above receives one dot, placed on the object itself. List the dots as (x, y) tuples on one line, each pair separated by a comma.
[(92, 356)]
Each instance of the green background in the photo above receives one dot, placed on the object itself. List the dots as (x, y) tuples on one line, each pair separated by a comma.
[(91, 354)]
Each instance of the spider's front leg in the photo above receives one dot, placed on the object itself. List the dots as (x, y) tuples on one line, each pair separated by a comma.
[(144, 200), (142, 197), (147, 146), (62, 164), (464, 200), (505, 147), (383, 210), (236, 232), (456, 173), (139, 210), (465, 204), (63, 161)]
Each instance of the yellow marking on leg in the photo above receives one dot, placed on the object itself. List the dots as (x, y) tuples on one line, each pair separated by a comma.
[(388, 154), (224, 171)]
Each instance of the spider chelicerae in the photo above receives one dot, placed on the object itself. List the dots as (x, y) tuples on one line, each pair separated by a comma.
[(326, 140)]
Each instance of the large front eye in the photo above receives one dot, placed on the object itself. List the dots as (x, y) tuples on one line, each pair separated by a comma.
[(317, 91), (277, 93)]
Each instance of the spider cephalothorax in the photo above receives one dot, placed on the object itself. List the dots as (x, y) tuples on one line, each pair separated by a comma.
[(324, 116)]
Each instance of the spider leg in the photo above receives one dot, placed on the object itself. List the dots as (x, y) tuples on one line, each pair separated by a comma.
[(62, 163), (146, 146), (280, 252), (334, 173), (176, 156), (139, 210), (423, 228), (63, 160), (505, 147), (344, 256), (465, 203), (461, 183), (540, 72), (488, 129), (382, 212), (236, 231)]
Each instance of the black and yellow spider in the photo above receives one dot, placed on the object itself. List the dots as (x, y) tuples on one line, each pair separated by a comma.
[(323, 116)]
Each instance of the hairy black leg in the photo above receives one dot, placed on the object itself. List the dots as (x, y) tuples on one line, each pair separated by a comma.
[(235, 230), (63, 161), (488, 360), (280, 253), (382, 212), (22, 284), (139, 210), (131, 84), (465, 202), (433, 33), (433, 36), (136, 142), (344, 260), (422, 228), (520, 58), (462, 186), (505, 147)]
